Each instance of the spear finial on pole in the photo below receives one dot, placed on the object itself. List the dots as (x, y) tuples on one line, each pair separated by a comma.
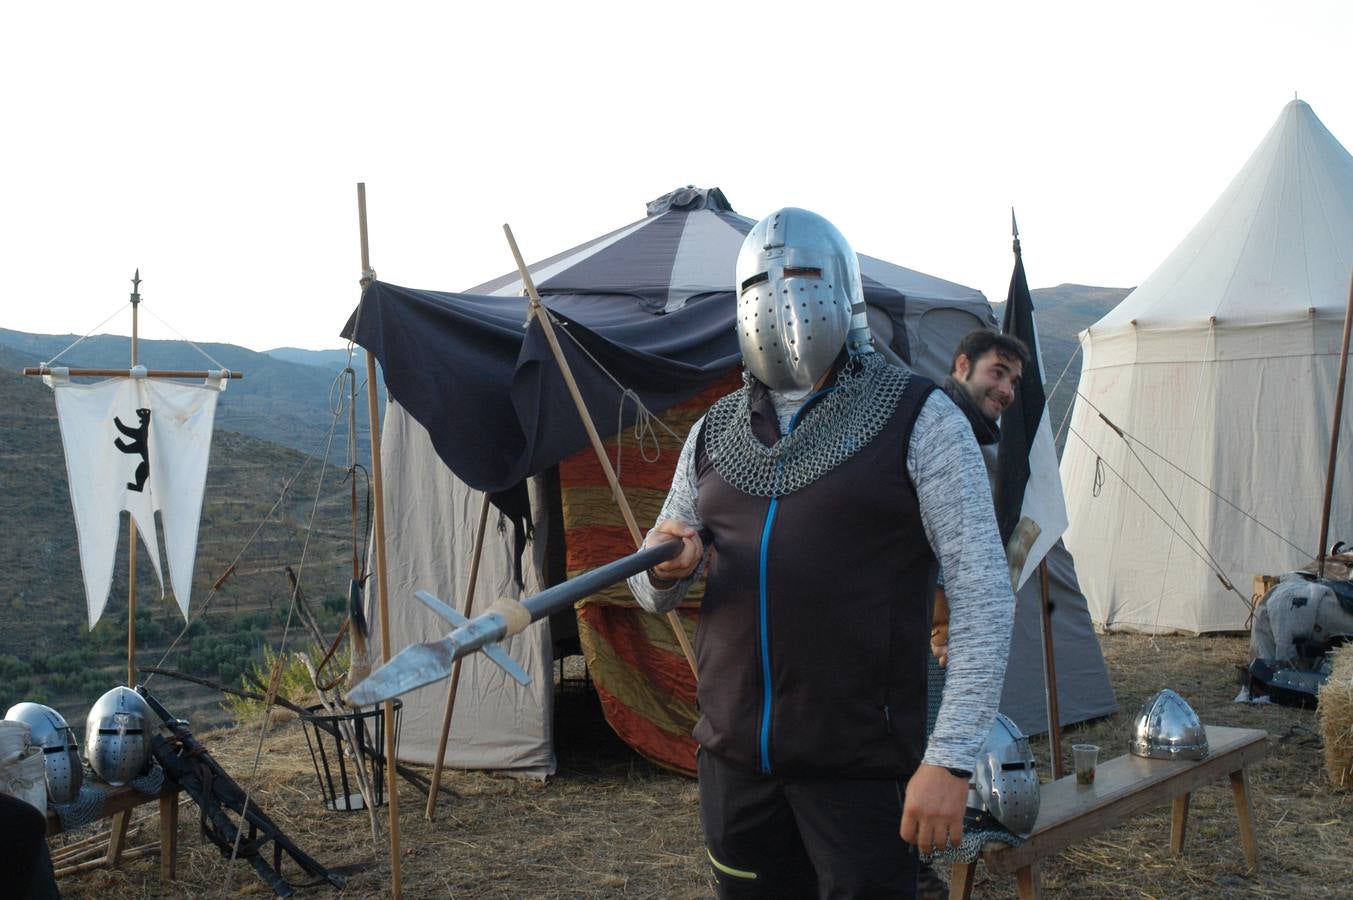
[(1014, 229), (136, 286)]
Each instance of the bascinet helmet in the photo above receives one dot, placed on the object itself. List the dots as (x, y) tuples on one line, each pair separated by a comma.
[(798, 285), (60, 753), (1168, 728), (117, 736), (1004, 788)]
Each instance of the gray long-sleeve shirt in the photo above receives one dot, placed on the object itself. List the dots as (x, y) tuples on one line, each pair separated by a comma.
[(945, 465)]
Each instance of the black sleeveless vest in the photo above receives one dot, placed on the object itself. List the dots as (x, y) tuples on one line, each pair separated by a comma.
[(815, 625)]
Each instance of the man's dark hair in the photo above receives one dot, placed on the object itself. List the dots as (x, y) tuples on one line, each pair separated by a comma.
[(976, 344)]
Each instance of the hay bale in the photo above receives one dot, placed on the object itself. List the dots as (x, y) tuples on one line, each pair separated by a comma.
[(1336, 718)]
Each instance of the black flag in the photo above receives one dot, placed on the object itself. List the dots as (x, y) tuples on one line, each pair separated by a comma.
[(1027, 481)]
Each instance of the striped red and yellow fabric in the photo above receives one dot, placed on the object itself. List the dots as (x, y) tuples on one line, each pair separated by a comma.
[(646, 687)]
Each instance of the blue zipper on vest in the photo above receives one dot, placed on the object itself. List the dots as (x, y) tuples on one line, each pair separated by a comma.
[(764, 736)]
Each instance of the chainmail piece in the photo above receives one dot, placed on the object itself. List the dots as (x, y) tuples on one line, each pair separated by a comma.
[(970, 846), (833, 430), (87, 805)]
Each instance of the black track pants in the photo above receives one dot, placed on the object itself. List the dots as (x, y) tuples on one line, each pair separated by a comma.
[(776, 837)]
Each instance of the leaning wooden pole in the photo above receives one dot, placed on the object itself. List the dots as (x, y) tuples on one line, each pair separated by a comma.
[(538, 310), (1050, 671), (466, 609), (131, 519), (382, 591), (1334, 438)]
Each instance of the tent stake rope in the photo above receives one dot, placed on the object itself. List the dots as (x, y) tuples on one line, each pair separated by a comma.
[(1164, 521), (275, 681), (1134, 440), (538, 310)]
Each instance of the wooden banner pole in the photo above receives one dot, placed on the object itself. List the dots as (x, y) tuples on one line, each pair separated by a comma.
[(131, 519), (466, 608), (1334, 439), (382, 592), (538, 310), (1050, 672)]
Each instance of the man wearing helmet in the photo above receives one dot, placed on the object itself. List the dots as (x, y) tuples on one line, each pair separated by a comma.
[(825, 492)]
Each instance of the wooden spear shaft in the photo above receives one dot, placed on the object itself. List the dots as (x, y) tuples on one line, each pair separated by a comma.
[(538, 310), (382, 593), (1334, 438), (466, 608), (1050, 671)]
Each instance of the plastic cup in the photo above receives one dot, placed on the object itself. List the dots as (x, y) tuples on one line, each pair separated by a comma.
[(1086, 757)]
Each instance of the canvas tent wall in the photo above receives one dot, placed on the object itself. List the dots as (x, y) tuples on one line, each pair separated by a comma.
[(476, 404), (1219, 369)]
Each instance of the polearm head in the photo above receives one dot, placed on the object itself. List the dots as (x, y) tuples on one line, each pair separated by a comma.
[(136, 286), (421, 664), (1014, 229)]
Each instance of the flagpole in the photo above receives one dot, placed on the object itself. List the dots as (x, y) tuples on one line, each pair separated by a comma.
[(131, 517), (1334, 438), (1050, 671), (382, 593)]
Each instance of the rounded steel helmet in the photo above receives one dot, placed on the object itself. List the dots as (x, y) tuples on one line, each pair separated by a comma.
[(799, 296), (117, 736), (1004, 788), (60, 753), (1168, 728)]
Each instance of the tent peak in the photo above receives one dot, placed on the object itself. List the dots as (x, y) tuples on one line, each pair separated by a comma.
[(688, 198)]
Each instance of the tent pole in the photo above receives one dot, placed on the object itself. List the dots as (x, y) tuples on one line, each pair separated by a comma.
[(538, 311), (1050, 671), (382, 593), (131, 519), (466, 609), (1334, 439)]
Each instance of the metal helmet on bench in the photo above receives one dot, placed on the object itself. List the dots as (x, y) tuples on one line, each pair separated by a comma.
[(799, 297), (117, 736), (1004, 789), (60, 754), (1167, 728)]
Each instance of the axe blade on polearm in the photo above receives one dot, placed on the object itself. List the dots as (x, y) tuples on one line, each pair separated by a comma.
[(422, 664)]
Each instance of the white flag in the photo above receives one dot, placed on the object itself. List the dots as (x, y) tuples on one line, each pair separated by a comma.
[(139, 445)]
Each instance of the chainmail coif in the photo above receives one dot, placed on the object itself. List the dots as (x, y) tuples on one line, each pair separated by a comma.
[(833, 430)]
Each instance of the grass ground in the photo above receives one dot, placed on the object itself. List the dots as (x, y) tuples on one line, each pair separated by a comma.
[(610, 824)]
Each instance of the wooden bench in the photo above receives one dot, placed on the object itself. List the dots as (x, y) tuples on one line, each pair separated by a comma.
[(1123, 788), (118, 804)]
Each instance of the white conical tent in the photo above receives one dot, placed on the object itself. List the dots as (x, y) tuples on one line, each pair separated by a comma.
[(1220, 369)]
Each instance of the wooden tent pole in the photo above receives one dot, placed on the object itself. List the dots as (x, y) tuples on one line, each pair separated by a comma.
[(466, 609), (1050, 671), (131, 519), (382, 592), (1334, 438), (538, 310)]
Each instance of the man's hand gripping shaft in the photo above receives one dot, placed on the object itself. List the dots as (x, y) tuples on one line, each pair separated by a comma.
[(684, 563), (932, 814)]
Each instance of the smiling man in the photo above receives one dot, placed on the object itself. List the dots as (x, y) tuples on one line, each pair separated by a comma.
[(987, 366)]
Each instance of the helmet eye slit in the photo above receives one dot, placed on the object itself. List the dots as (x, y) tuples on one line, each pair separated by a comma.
[(758, 278), (802, 272)]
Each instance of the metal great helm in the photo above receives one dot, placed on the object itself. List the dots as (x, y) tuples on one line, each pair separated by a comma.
[(799, 288), (1168, 728), (1004, 787), (60, 754), (117, 736)]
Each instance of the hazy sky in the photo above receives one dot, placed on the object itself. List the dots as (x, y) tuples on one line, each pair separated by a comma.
[(216, 146)]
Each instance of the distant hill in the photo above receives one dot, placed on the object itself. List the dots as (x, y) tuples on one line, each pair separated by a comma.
[(280, 401), (332, 360), (1062, 313)]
